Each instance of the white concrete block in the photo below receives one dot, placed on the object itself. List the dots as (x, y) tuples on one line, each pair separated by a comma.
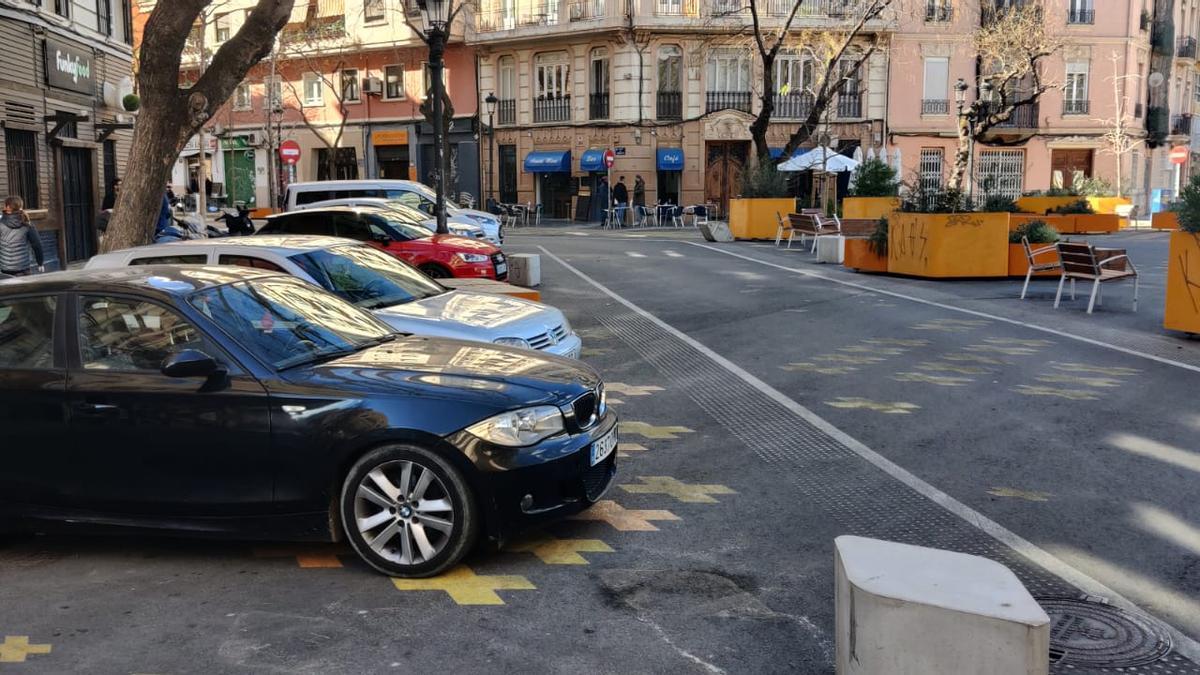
[(525, 269), (904, 609), (831, 249)]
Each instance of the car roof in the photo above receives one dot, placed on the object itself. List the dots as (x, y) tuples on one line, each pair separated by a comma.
[(174, 280), (325, 209), (349, 183), (282, 244)]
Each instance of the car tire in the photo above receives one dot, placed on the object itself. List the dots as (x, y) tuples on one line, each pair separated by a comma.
[(414, 530), (436, 271)]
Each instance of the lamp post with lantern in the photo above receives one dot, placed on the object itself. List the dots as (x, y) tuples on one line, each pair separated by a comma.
[(491, 102), (437, 32), (968, 116)]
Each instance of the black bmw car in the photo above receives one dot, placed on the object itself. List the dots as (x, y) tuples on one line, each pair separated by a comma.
[(235, 402)]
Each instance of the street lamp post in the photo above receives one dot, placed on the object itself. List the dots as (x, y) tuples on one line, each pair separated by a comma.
[(436, 34), (969, 118), (491, 102)]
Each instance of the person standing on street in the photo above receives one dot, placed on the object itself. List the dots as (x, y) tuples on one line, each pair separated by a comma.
[(639, 195), (19, 242), (602, 199), (620, 195)]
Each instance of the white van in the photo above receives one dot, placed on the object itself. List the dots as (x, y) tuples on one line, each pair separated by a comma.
[(410, 193)]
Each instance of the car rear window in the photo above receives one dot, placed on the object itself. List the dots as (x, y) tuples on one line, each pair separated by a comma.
[(249, 261), (197, 259), (300, 222), (314, 196)]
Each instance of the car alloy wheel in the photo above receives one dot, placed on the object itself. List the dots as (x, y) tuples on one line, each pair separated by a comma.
[(435, 271), (407, 512)]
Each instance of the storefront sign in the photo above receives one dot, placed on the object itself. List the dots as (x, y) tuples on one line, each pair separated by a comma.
[(69, 67), (235, 143), (390, 137)]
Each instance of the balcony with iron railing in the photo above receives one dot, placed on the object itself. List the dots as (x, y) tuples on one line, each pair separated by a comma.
[(1185, 47), (498, 18), (793, 106), (1076, 107), (727, 100), (1181, 125), (1078, 16), (1022, 117), (808, 11), (996, 10), (669, 105), (552, 109), (935, 106), (506, 111), (849, 105), (939, 12), (598, 105)]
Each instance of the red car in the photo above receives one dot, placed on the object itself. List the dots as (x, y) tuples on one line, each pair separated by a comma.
[(438, 255)]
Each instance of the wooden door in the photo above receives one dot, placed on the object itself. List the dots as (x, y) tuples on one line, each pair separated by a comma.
[(1065, 165), (723, 171), (78, 212)]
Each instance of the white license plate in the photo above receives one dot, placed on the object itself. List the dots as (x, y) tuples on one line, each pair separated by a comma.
[(602, 448), (502, 268)]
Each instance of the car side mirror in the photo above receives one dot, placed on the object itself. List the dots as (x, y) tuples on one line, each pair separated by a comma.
[(190, 363), (380, 238)]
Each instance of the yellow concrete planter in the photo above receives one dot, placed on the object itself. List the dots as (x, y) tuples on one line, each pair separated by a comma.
[(1165, 220), (869, 208), (1018, 262), (859, 256), (948, 245), (1183, 283), (1096, 223), (1108, 204), (755, 218), (1059, 223), (1043, 204)]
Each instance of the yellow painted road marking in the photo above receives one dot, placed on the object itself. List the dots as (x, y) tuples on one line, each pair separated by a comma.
[(940, 380), (952, 368), (1102, 382), (897, 408), (974, 358), (849, 359), (814, 368), (1020, 494), (308, 556), (630, 389), (897, 342), (652, 432), (1000, 349), (596, 351), (1085, 368), (684, 492), (467, 588), (872, 349), (1070, 394), (16, 648), (623, 519), (623, 448), (1017, 342), (554, 551), (950, 325)]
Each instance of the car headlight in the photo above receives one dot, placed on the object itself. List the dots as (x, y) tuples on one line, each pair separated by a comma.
[(519, 428), (511, 342), (566, 325), (472, 257)]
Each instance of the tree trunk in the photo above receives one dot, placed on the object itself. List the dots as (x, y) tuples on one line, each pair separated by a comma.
[(758, 129), (962, 156)]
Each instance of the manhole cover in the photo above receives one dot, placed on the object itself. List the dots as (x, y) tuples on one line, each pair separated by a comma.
[(1094, 634)]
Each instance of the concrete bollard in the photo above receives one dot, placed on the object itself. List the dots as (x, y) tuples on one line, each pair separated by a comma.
[(905, 609), (525, 269), (831, 249)]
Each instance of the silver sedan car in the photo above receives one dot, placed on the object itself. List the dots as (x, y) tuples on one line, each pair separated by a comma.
[(396, 292)]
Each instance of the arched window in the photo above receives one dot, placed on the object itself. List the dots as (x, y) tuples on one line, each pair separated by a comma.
[(670, 83)]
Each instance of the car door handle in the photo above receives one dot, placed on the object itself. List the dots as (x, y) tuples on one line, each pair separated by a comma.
[(95, 408)]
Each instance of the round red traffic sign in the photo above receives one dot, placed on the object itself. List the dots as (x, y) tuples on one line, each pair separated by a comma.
[(1179, 154), (289, 152), (609, 158)]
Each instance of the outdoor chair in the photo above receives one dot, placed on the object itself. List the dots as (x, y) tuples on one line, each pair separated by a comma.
[(1079, 261), (785, 227), (1031, 255), (644, 216)]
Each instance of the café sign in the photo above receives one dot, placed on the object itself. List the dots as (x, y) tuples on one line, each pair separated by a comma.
[(69, 67)]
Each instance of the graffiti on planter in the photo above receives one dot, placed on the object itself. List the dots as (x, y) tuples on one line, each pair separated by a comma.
[(1190, 283), (911, 241)]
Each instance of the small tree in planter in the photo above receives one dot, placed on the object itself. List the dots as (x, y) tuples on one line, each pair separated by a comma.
[(764, 193), (1036, 231), (875, 179)]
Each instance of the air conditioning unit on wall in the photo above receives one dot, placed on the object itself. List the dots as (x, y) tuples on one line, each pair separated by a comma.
[(372, 86)]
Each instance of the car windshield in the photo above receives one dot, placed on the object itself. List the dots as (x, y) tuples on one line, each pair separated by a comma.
[(286, 322), (417, 216), (406, 229), (366, 277)]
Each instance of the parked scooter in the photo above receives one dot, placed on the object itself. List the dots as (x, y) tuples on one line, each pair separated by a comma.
[(187, 227), (239, 224)]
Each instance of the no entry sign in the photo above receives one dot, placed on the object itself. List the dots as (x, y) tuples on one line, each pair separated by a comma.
[(289, 152), (1179, 154), (609, 158)]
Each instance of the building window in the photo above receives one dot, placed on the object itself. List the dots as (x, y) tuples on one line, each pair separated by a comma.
[(427, 78), (241, 97), (104, 16), (931, 169), (350, 86), (1196, 87), (110, 164), (223, 23), (551, 75), (598, 85), (127, 21), (670, 81), (62, 8), (393, 82), (70, 129), (793, 82), (936, 100), (314, 90), (1081, 12), (506, 109), (1001, 172), (1075, 91), (21, 154), (374, 10), (728, 70), (345, 164), (274, 86)]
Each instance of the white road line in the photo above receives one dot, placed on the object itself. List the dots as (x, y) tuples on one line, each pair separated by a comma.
[(1184, 645), (952, 308), (631, 254), (673, 254)]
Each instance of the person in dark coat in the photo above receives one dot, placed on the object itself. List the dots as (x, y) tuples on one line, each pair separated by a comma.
[(602, 199), (639, 191), (620, 195), (20, 245)]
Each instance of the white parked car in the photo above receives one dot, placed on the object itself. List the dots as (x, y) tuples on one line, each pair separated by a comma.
[(409, 192), (458, 225), (396, 292)]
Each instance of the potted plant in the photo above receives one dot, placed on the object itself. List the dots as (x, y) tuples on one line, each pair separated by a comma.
[(1183, 265), (870, 253), (935, 235), (873, 192), (1040, 235), (131, 102), (764, 193)]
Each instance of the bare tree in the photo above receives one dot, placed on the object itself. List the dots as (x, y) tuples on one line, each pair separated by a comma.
[(161, 131), (1011, 44), (1119, 140)]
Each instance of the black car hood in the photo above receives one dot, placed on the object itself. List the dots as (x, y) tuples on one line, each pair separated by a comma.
[(502, 377)]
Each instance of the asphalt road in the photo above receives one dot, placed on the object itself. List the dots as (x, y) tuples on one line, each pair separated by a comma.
[(768, 405)]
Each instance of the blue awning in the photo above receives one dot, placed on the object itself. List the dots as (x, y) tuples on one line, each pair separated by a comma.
[(776, 153), (670, 159), (548, 161), (592, 160)]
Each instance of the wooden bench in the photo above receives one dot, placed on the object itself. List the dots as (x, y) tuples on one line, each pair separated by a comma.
[(812, 224), (1046, 265), (1079, 261)]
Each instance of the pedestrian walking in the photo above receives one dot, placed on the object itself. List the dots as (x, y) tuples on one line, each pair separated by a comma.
[(602, 199), (20, 245), (620, 195), (639, 191), (163, 226)]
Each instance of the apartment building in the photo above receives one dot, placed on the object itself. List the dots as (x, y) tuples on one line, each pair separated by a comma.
[(1134, 60), (345, 81), (64, 70), (671, 86)]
